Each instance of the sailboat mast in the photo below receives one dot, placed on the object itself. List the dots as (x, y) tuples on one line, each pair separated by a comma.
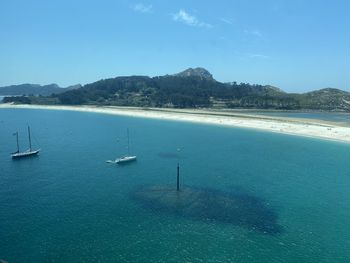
[(17, 142), (128, 141), (30, 140)]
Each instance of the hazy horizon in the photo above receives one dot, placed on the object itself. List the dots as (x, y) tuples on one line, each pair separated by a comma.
[(295, 46)]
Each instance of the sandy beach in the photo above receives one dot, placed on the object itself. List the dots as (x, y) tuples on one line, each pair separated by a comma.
[(292, 126)]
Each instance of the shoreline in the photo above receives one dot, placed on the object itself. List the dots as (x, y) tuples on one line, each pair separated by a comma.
[(312, 128)]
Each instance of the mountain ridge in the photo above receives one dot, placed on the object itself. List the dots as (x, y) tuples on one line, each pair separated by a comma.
[(35, 89), (191, 88)]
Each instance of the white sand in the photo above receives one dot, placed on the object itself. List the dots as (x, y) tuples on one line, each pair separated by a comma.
[(301, 127)]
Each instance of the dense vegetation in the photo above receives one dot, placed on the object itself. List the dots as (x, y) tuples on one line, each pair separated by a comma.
[(172, 91), (18, 99), (191, 89)]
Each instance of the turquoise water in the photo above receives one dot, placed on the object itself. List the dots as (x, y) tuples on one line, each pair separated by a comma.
[(68, 205)]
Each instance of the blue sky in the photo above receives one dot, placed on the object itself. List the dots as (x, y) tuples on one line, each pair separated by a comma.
[(295, 45)]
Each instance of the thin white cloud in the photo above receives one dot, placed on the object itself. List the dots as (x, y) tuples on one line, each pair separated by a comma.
[(226, 21), (190, 20), (256, 33), (260, 56), (141, 8)]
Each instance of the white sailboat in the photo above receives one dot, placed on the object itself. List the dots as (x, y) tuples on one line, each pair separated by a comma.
[(27, 153), (126, 158)]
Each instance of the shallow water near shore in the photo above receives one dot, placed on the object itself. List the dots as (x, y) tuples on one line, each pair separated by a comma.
[(69, 205)]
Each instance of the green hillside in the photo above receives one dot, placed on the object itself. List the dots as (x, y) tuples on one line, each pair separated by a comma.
[(191, 88)]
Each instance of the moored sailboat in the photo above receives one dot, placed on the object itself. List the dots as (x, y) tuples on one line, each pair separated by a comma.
[(30, 152), (126, 158)]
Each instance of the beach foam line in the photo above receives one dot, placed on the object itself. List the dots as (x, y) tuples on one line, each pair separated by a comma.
[(291, 126)]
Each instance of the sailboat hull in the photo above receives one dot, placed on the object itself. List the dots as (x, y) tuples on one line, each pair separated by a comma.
[(125, 159), (28, 153)]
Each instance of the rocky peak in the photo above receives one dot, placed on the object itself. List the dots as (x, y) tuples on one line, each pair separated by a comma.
[(197, 72)]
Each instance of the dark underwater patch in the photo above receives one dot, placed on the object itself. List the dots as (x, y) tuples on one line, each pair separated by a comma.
[(240, 209)]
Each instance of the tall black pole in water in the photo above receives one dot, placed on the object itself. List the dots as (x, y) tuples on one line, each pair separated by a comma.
[(178, 177), (178, 171)]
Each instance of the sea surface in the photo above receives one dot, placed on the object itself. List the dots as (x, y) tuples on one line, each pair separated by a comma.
[(284, 198)]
